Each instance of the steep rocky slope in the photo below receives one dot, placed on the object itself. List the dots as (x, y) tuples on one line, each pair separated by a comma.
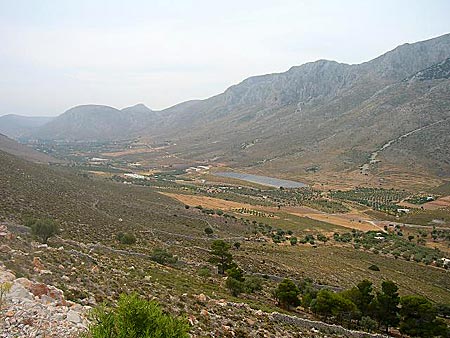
[(321, 114)]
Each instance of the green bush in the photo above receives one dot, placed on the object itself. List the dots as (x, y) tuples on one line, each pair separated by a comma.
[(235, 286), (322, 238), (134, 317), (161, 256), (126, 238), (204, 272), (373, 267), (43, 229), (252, 284), (368, 324)]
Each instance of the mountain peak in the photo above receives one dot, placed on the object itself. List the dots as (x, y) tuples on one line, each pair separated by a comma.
[(137, 108)]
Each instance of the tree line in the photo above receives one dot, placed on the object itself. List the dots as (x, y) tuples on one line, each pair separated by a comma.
[(360, 307)]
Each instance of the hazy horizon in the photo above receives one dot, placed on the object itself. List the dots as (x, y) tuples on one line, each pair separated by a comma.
[(56, 55)]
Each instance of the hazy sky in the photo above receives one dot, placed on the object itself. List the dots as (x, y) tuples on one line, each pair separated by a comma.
[(55, 54)]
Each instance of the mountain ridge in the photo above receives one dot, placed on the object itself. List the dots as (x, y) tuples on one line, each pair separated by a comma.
[(289, 117)]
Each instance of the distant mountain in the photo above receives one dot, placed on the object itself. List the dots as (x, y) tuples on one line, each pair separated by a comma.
[(139, 108), (322, 114), (16, 126), (95, 122), (14, 148)]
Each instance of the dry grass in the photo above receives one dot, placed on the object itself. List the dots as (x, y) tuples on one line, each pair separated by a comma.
[(352, 220)]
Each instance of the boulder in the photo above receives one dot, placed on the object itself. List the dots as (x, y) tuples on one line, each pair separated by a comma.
[(73, 317)]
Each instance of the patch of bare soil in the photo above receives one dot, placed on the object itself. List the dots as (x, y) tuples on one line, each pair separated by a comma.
[(440, 203)]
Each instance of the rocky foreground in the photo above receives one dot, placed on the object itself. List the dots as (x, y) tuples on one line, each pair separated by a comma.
[(35, 310)]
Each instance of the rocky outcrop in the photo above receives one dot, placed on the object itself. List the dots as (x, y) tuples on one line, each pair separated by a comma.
[(32, 309)]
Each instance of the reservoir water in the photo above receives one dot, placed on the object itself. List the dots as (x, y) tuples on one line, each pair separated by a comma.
[(263, 180)]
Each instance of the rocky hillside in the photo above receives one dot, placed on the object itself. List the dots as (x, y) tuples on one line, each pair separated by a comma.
[(90, 265), (323, 114), (32, 309)]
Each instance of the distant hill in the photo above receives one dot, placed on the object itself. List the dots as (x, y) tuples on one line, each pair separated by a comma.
[(95, 122), (16, 126), (13, 147)]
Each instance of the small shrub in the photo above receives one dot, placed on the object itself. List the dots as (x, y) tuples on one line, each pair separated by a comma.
[(4, 289), (293, 240), (373, 267), (368, 324), (161, 256), (44, 229), (126, 238), (135, 317), (204, 272), (322, 238), (235, 286), (252, 284)]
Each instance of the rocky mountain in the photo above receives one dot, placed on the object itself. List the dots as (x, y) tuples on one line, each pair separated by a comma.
[(322, 114), (15, 148), (95, 122), (138, 109), (16, 126)]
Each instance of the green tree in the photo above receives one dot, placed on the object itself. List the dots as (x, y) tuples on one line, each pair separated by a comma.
[(386, 305), (418, 318), (235, 280), (44, 229), (221, 256), (134, 317), (362, 296), (287, 294), (330, 304), (209, 231), (235, 286), (236, 273)]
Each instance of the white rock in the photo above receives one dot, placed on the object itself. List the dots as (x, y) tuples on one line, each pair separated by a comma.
[(73, 317), (18, 292)]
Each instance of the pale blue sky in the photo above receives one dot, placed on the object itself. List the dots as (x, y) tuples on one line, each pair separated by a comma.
[(55, 54)]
